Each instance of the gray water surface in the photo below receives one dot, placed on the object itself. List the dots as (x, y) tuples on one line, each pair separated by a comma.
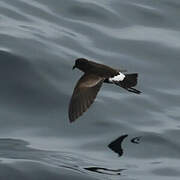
[(39, 41)]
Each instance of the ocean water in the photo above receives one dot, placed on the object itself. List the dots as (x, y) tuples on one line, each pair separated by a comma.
[(123, 136)]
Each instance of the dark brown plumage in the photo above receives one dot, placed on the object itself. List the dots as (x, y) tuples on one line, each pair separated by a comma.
[(89, 84)]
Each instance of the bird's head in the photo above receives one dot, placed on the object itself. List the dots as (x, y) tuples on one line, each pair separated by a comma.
[(82, 64)]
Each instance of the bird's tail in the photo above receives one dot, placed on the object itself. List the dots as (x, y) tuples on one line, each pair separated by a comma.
[(129, 82)]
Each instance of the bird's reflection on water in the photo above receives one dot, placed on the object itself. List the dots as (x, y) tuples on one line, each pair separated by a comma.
[(116, 145), (105, 170), (136, 140)]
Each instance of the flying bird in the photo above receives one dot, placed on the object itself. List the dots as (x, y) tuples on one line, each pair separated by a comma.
[(89, 84)]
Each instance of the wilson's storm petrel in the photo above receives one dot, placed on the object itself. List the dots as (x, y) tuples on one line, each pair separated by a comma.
[(94, 76)]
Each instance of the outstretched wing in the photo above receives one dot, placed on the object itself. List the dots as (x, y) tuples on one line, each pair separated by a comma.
[(84, 94)]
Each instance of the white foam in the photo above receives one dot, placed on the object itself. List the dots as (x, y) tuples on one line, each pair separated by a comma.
[(119, 77)]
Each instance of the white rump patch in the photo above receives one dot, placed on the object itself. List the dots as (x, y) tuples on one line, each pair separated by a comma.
[(119, 77)]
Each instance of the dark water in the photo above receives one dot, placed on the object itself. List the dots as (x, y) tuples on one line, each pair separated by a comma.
[(123, 135)]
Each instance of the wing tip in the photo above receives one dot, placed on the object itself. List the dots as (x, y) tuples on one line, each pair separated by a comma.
[(71, 118)]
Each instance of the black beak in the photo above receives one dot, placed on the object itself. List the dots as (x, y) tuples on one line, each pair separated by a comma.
[(74, 67)]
